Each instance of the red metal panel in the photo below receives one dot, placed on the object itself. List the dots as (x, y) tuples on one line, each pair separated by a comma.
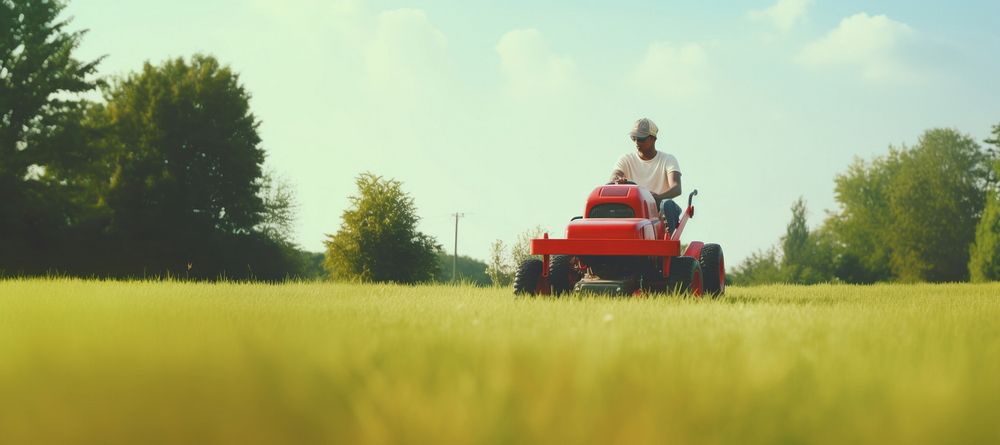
[(607, 228), (605, 247), (694, 249), (683, 222), (614, 191)]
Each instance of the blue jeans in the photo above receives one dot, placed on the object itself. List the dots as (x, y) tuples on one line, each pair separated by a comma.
[(671, 213)]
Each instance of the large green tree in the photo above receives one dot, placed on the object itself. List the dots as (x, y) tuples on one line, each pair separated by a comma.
[(911, 215), (984, 261), (39, 77), (186, 193), (936, 201), (40, 132), (187, 152), (378, 239), (863, 221)]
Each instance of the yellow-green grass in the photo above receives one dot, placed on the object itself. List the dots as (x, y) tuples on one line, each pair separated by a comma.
[(148, 362)]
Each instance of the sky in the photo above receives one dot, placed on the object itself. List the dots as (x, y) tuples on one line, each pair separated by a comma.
[(511, 112)]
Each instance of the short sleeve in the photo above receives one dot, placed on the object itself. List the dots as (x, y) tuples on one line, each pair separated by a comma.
[(671, 165), (622, 164)]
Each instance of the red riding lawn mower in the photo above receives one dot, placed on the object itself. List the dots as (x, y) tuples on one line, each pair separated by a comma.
[(622, 247)]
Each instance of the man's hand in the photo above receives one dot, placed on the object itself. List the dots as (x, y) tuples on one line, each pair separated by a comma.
[(618, 177)]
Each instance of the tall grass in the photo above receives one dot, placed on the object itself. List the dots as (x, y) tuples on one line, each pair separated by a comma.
[(145, 362)]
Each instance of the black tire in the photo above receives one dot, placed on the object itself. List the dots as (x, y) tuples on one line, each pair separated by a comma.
[(685, 276), (527, 276), (713, 268), (562, 275)]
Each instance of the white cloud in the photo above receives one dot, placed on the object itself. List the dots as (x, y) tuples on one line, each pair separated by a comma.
[(874, 45), (784, 14), (406, 53), (673, 71), (531, 67)]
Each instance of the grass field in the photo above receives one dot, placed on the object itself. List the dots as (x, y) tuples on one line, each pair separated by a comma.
[(142, 362)]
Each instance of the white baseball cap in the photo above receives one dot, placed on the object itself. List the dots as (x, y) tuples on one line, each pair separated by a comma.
[(643, 128)]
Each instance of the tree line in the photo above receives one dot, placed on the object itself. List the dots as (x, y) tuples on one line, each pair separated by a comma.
[(161, 177), (926, 213)]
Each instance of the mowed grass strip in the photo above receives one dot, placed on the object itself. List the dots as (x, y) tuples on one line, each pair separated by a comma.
[(148, 362)]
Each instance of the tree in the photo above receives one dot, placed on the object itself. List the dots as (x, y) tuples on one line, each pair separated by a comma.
[(38, 77), (911, 215), (936, 200), (186, 194), (498, 268), (984, 258), (378, 240), (40, 83), (187, 152), (279, 208), (806, 256), (504, 263), (521, 248), (761, 267), (864, 220), (795, 244)]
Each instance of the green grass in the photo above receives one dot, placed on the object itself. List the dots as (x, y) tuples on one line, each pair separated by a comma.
[(112, 362)]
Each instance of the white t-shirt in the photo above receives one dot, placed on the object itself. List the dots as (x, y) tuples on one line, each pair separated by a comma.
[(651, 174)]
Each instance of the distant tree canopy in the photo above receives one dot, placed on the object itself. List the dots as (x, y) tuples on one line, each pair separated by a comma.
[(805, 256), (469, 270), (378, 239), (909, 216)]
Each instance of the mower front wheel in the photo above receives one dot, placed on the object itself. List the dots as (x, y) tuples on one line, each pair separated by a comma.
[(685, 276), (562, 275), (527, 277)]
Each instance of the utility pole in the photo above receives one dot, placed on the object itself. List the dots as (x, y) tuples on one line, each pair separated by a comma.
[(454, 258)]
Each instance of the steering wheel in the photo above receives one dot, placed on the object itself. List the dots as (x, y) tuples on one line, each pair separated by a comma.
[(621, 183)]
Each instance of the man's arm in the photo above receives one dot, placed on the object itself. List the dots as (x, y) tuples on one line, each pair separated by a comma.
[(673, 186), (618, 176)]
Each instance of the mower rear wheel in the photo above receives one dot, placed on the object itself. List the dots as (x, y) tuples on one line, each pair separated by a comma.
[(685, 276), (562, 275), (526, 279), (713, 268)]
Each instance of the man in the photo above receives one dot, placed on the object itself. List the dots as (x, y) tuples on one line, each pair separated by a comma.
[(653, 170)]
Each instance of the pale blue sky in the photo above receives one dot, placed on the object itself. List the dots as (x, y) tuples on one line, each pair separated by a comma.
[(511, 112)]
